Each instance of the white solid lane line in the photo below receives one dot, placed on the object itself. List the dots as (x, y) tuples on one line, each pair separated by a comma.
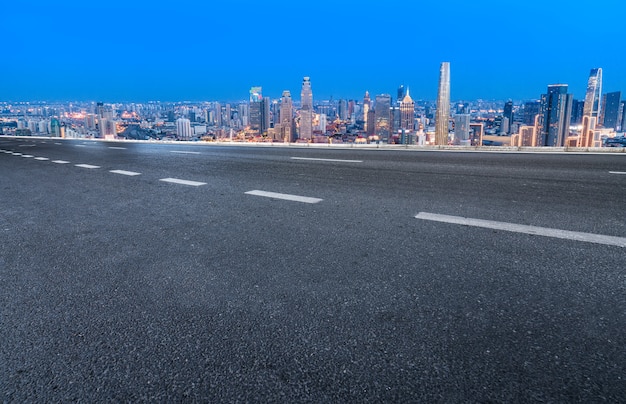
[(123, 172), (520, 228), (42, 158), (86, 166), (331, 160), (183, 182), (184, 152), (286, 197), (117, 148), (60, 161), (617, 172)]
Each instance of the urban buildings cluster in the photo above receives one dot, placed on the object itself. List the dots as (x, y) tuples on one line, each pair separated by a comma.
[(554, 119)]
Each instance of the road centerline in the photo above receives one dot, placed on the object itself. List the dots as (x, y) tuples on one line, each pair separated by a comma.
[(520, 228), (287, 197)]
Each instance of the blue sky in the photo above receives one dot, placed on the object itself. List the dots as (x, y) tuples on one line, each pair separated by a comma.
[(207, 50)]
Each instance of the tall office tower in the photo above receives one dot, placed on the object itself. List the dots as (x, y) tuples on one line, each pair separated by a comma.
[(508, 114), (306, 110), (592, 96), (382, 117), (556, 108), (462, 130), (183, 129), (577, 112), (265, 114), (443, 105), (407, 112), (228, 116), (342, 110), (217, 116), (255, 112), (370, 129), (366, 109), (531, 110), (609, 112), (621, 118), (401, 92), (286, 117)]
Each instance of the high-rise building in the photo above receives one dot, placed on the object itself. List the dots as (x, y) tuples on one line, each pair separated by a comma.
[(286, 117), (531, 110), (462, 129), (443, 105), (592, 96), (407, 112), (306, 110), (577, 112), (609, 112), (183, 129), (621, 118), (527, 135), (401, 93), (256, 110), (366, 109), (382, 116), (342, 110), (556, 106), (508, 115)]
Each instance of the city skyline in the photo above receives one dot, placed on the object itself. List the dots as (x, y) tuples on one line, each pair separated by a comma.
[(197, 51)]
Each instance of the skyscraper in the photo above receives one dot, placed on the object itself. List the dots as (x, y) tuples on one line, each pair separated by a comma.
[(366, 109), (443, 105), (382, 117), (286, 117), (306, 110), (462, 129), (609, 112), (592, 96), (591, 110), (508, 115), (256, 110), (556, 108), (407, 112)]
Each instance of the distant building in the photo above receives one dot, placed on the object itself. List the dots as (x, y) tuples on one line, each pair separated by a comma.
[(556, 106), (183, 129), (462, 130), (383, 123), (366, 109), (443, 105), (577, 112), (255, 109), (609, 112), (507, 117), (285, 127), (531, 110), (622, 116), (306, 110), (592, 96), (407, 112)]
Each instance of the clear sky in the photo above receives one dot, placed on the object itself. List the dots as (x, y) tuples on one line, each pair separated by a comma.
[(139, 50)]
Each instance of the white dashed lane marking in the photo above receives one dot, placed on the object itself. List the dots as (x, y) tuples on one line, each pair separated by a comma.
[(183, 182), (286, 197), (86, 166), (117, 148), (27, 155), (184, 152), (617, 172), (520, 228), (60, 161), (123, 172), (42, 158), (330, 160)]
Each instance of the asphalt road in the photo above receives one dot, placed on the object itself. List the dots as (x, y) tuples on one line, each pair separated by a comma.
[(118, 286)]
